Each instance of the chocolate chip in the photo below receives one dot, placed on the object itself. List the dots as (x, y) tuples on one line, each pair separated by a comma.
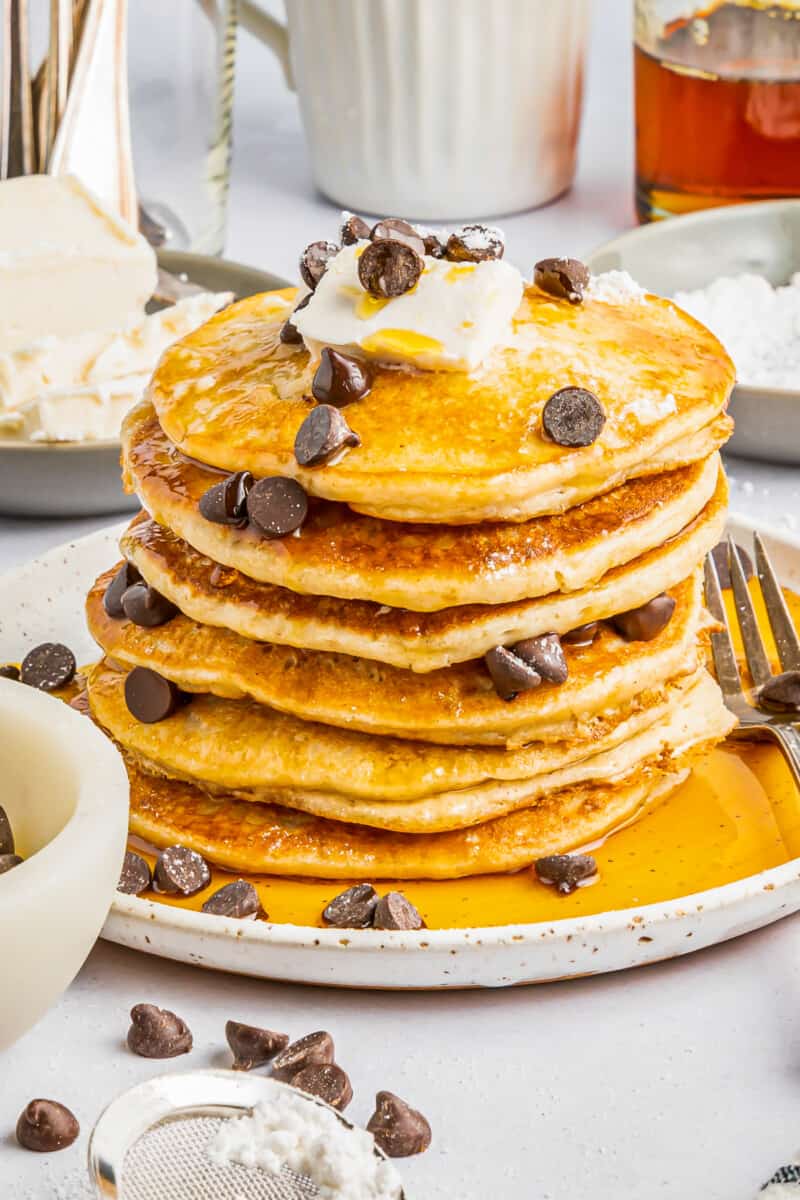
[(312, 1049), (782, 691), (394, 229), (238, 899), (565, 871), (545, 655), (46, 1125), (353, 229), (434, 247), (158, 1033), (394, 911), (566, 278), (340, 380), (475, 243), (644, 623), (573, 417), (389, 269), (47, 667), (352, 909), (180, 871), (720, 556), (290, 335), (135, 876), (251, 1046), (7, 861), (150, 697), (9, 671), (146, 607), (324, 434), (510, 674), (277, 506), (399, 1130), (6, 833), (125, 577), (314, 261), (326, 1081), (226, 503), (581, 635)]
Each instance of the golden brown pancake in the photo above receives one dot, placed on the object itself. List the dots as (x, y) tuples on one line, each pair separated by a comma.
[(422, 567), (442, 446)]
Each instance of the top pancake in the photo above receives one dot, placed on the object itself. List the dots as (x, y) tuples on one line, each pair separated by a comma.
[(443, 446)]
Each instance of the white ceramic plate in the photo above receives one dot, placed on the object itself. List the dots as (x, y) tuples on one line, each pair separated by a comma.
[(44, 600)]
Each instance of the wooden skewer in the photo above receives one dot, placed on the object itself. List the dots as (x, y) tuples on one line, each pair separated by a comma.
[(17, 141), (56, 75)]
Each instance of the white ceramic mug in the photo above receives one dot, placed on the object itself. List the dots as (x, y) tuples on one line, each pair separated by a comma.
[(435, 109)]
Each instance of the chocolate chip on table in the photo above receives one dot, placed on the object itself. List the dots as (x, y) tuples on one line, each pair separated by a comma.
[(125, 577), (389, 269), (314, 261), (290, 335), (47, 667), (135, 876), (158, 1033), (9, 671), (475, 243), (399, 1130), (312, 1049), (180, 871), (6, 833), (353, 908), (238, 899), (340, 380), (226, 502), (510, 674), (644, 623), (327, 1081), (565, 871), (324, 434), (277, 506), (353, 229), (720, 556), (573, 416), (146, 607), (782, 691), (545, 655), (46, 1125), (394, 911), (581, 635), (150, 697), (7, 861), (394, 229), (566, 278), (251, 1046)]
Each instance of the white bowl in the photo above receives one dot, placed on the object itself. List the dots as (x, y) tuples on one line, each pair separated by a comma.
[(65, 790)]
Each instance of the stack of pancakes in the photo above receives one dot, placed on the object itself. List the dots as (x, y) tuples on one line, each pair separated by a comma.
[(338, 712)]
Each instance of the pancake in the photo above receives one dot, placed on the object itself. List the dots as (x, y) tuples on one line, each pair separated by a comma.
[(443, 446), (425, 568), (417, 641), (456, 705)]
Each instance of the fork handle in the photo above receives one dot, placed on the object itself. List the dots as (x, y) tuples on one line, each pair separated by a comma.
[(788, 738)]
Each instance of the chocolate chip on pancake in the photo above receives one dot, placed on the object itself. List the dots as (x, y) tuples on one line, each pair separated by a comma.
[(48, 666), (314, 261), (395, 911), (313, 1048), (394, 229), (566, 278), (573, 416), (7, 861), (721, 562), (226, 503), (340, 380), (399, 1130), (81, 703), (581, 635), (510, 673), (290, 335), (327, 1081), (475, 243), (277, 506), (158, 1033), (180, 871), (782, 691), (135, 876), (252, 1046), (238, 899), (9, 671), (146, 607), (6, 833), (46, 1126), (545, 655), (323, 435), (125, 577), (353, 908), (389, 269), (149, 696), (353, 229), (565, 871), (434, 247), (644, 623)]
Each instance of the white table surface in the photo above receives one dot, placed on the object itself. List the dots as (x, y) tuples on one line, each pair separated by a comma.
[(677, 1081)]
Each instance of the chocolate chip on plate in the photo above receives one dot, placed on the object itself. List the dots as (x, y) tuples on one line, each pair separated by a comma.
[(340, 380), (324, 434), (46, 1125), (353, 229), (6, 833), (150, 697), (399, 1130), (49, 666), (566, 278), (327, 1081), (309, 1050), (581, 635), (9, 671), (394, 911), (565, 871), (353, 908), (720, 556), (545, 655), (314, 261), (389, 269), (510, 673), (135, 876), (238, 899), (573, 417), (395, 229), (644, 623), (158, 1033), (475, 243), (277, 506), (290, 335), (125, 577), (226, 502), (180, 871), (251, 1046), (782, 691), (146, 607), (7, 861)]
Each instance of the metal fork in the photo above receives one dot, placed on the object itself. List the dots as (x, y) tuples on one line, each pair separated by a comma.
[(756, 722)]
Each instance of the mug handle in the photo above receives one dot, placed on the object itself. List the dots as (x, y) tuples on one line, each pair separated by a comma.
[(269, 31)]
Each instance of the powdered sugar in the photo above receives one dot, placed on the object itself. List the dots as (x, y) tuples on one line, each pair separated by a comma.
[(615, 287)]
